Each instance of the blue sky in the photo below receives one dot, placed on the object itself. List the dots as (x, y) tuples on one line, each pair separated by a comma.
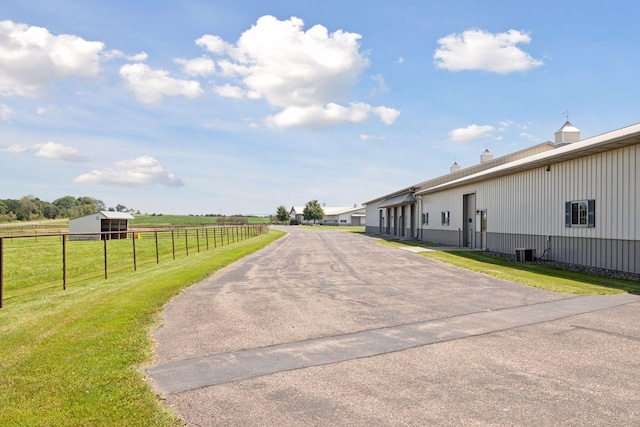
[(196, 107)]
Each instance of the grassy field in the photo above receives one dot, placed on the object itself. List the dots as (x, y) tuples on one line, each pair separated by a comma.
[(73, 358), (187, 220), (138, 222), (530, 274), (85, 260)]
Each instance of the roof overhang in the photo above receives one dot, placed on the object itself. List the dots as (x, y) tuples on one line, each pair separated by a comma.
[(116, 215), (402, 199)]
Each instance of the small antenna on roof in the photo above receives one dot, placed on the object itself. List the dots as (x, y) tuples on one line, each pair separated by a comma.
[(566, 114)]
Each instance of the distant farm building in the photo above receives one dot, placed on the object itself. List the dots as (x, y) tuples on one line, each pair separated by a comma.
[(103, 225), (354, 215)]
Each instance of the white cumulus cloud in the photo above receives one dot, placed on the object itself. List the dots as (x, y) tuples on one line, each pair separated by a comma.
[(386, 114), (115, 53), (229, 91), (31, 58), (53, 150), (213, 44), (142, 171), (202, 66), (151, 85), (481, 50), (319, 116), (471, 133), (15, 149), (297, 71)]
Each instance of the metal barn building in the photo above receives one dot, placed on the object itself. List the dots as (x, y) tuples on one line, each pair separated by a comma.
[(574, 201), (112, 225), (333, 215)]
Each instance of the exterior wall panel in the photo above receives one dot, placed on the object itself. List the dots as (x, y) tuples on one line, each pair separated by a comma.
[(531, 203), (612, 254), (445, 237), (85, 224)]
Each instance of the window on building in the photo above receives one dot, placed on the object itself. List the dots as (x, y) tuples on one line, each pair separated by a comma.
[(580, 213), (425, 218), (483, 220), (446, 218)]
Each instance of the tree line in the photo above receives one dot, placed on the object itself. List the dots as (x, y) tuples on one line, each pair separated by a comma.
[(312, 212), (30, 208)]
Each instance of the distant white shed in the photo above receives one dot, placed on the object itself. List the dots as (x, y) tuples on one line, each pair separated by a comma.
[(333, 215), (113, 225)]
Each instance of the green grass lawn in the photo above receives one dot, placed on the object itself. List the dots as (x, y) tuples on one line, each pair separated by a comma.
[(530, 274), (186, 220), (74, 357), (34, 264)]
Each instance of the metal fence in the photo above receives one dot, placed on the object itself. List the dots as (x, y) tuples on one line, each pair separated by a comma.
[(32, 262)]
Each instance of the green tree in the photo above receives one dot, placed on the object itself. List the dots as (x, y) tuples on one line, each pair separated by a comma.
[(28, 209), (65, 206), (313, 211), (282, 214), (49, 211), (90, 204)]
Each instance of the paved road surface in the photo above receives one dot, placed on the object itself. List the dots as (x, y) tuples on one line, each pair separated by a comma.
[(330, 328)]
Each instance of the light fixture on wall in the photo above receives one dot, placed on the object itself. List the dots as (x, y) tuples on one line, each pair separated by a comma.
[(548, 168)]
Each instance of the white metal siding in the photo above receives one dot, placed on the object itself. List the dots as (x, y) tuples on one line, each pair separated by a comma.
[(85, 224), (532, 202), (372, 219)]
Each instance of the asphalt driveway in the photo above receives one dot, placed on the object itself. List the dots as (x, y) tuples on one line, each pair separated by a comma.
[(330, 328)]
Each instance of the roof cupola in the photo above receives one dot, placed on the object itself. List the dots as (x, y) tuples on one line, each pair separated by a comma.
[(567, 134), (486, 156)]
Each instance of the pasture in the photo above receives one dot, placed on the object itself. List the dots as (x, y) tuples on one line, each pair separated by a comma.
[(35, 263), (73, 357)]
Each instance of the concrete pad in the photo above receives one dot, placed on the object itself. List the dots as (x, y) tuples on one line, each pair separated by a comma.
[(191, 374), (331, 328)]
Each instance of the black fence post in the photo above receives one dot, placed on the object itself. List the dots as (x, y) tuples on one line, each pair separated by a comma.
[(173, 244), (106, 276), (186, 241), (64, 263), (157, 252), (206, 236), (133, 240), (198, 240)]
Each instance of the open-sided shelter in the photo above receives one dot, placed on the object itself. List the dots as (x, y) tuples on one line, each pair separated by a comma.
[(103, 225)]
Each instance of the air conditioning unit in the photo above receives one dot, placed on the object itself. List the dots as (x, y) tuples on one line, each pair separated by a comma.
[(525, 254)]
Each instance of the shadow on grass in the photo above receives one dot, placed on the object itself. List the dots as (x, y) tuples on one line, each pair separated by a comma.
[(535, 272)]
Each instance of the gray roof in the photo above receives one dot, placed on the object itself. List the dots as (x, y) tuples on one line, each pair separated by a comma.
[(624, 137), (402, 199), (416, 188), (109, 215)]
